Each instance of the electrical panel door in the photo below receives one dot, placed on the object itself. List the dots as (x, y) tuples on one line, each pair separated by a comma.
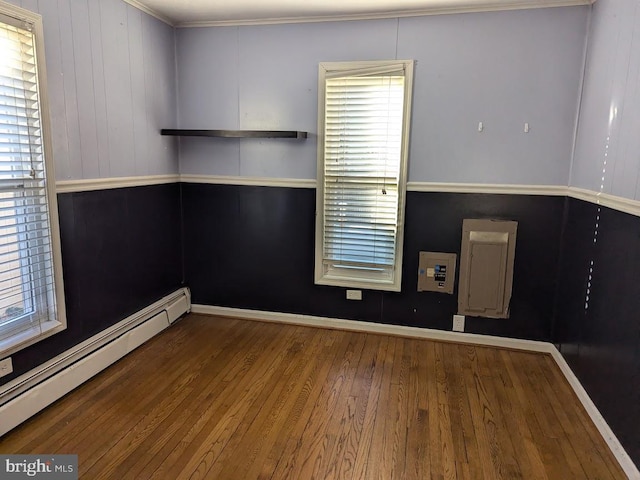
[(486, 267)]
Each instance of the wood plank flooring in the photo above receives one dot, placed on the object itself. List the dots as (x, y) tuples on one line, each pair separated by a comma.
[(219, 398)]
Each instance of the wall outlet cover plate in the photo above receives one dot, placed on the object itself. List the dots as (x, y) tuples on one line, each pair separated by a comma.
[(354, 294), (458, 323)]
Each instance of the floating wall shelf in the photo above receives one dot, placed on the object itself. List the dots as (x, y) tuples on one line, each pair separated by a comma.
[(235, 133)]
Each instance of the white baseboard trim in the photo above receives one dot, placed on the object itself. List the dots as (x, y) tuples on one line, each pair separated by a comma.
[(26, 395), (601, 424), (370, 327), (485, 340)]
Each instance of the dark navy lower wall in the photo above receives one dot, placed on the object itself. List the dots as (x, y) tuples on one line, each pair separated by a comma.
[(253, 247), (121, 252), (600, 335)]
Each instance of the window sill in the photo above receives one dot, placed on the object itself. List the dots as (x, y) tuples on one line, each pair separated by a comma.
[(364, 284), (29, 337)]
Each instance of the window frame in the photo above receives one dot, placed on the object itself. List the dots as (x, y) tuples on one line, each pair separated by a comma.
[(360, 278), (51, 326)]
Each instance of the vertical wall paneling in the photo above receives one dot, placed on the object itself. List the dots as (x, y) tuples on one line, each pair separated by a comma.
[(99, 90), (69, 71), (596, 325), (56, 89), (253, 247), (115, 51), (138, 97), (114, 81), (598, 330), (121, 252), (502, 68), (160, 94), (605, 157), (574, 276), (278, 77), (112, 87), (208, 87), (628, 176), (624, 75), (263, 77), (208, 77), (85, 94)]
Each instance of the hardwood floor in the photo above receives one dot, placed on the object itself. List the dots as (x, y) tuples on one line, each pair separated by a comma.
[(220, 398)]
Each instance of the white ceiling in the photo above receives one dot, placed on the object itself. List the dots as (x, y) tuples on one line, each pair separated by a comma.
[(238, 12)]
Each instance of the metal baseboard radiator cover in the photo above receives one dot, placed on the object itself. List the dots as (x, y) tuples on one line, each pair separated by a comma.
[(26, 395)]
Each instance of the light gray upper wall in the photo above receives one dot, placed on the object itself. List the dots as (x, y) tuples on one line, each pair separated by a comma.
[(111, 79), (501, 68), (607, 154)]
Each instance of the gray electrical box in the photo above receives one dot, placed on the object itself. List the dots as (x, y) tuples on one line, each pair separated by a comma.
[(486, 267), (436, 272)]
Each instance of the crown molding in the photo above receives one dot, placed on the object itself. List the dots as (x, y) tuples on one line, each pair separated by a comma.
[(476, 8), (150, 11), (488, 6)]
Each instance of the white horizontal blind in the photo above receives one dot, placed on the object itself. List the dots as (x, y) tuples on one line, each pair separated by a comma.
[(27, 298), (362, 161)]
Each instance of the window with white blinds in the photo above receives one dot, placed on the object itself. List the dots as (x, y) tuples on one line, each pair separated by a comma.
[(28, 302), (364, 112)]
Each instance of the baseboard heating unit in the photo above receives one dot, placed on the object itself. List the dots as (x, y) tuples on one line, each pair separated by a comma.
[(26, 395)]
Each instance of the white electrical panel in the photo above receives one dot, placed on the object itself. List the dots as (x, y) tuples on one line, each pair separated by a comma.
[(486, 267)]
